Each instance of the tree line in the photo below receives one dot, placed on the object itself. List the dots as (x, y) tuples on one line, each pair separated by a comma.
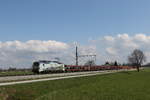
[(136, 58)]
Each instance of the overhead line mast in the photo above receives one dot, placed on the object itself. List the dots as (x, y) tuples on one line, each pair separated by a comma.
[(82, 56), (76, 55)]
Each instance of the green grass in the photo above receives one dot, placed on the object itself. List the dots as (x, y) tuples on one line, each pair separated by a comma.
[(117, 86), (14, 73)]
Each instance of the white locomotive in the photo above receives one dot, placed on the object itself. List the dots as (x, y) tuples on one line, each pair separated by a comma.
[(47, 66)]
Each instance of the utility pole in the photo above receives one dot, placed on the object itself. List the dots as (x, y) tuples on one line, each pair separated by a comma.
[(79, 56), (76, 56)]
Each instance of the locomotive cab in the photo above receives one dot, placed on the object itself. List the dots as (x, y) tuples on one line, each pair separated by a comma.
[(35, 67)]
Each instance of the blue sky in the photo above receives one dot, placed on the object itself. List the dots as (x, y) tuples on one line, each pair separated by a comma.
[(32, 30), (72, 20)]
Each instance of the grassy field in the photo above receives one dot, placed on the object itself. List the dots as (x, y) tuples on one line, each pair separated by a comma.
[(117, 86), (14, 73)]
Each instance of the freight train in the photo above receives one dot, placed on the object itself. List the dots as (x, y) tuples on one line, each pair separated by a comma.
[(55, 66)]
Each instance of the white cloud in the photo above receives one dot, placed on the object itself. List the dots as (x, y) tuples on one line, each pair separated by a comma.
[(142, 38), (123, 36), (109, 38), (130, 44), (34, 45), (111, 51)]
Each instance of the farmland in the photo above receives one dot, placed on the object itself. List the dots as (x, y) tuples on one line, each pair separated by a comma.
[(118, 86), (15, 73)]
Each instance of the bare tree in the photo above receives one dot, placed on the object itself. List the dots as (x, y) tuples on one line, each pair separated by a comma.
[(137, 58)]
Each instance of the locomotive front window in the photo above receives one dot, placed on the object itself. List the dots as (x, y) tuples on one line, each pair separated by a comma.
[(36, 64)]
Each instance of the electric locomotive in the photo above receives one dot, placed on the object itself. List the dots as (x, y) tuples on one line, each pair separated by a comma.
[(47, 66)]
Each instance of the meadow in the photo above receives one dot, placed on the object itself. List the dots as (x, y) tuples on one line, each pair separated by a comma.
[(15, 73), (117, 86)]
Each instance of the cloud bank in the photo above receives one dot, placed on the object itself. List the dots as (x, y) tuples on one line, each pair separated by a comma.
[(22, 54), (107, 48), (120, 46)]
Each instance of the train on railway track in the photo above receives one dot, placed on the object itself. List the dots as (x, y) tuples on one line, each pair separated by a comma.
[(55, 66)]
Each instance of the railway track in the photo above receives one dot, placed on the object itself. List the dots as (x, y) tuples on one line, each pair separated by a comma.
[(36, 78)]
